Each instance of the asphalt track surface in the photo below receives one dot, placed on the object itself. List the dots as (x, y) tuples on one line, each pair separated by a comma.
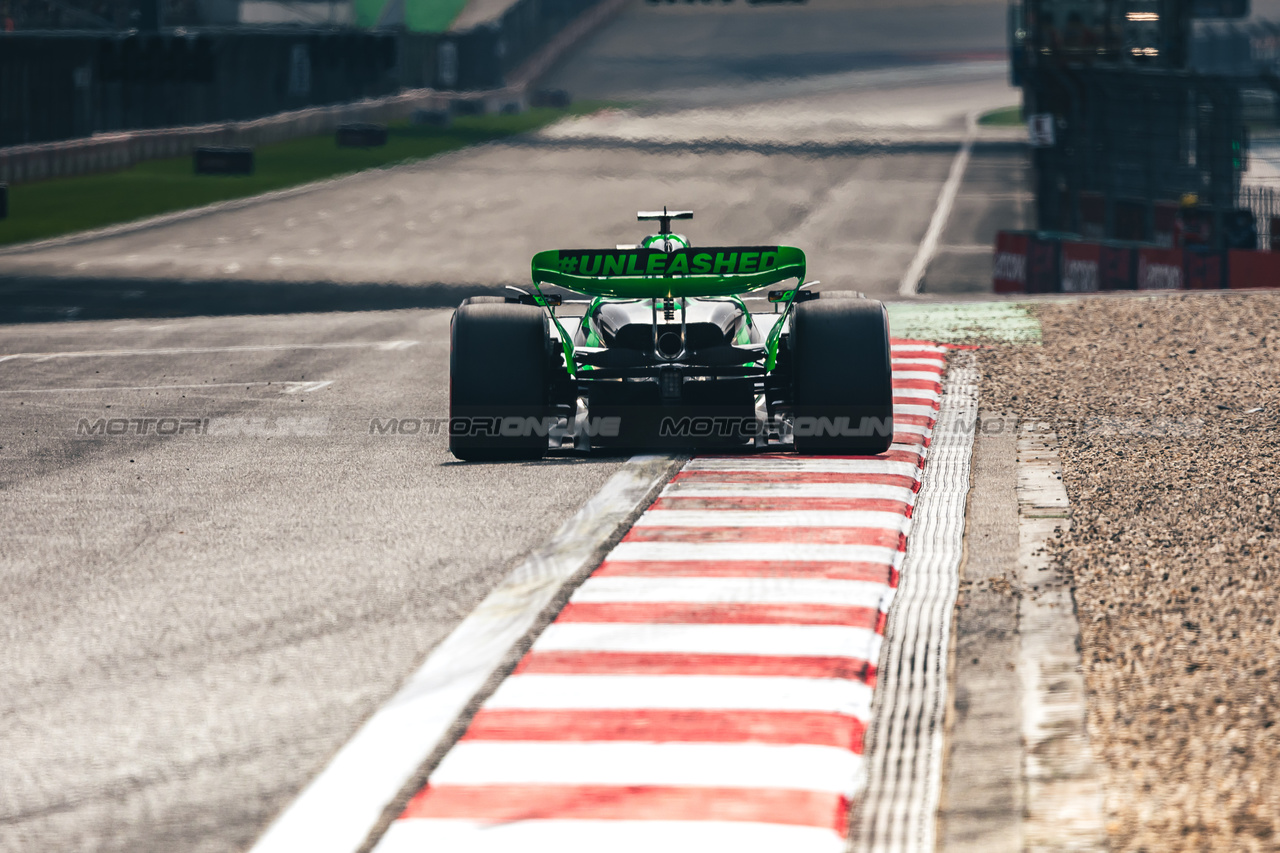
[(194, 623)]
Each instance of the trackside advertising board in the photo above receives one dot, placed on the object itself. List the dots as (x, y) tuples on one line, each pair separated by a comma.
[(1202, 270), (1159, 269), (1078, 266), (1025, 262), (1042, 265), (1115, 267), (1009, 267)]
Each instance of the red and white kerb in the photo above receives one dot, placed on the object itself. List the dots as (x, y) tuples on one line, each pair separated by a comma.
[(708, 687)]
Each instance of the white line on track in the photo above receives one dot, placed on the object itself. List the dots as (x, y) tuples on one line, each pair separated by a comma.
[(38, 357), (687, 765), (773, 518), (614, 836), (907, 409), (305, 387), (910, 283), (720, 552), (749, 590), (685, 692), (904, 394), (338, 810), (818, 466), (286, 386), (696, 639), (865, 491)]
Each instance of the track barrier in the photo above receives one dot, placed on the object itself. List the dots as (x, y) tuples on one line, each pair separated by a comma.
[(109, 100), (1078, 266), (223, 161), (1048, 262), (1042, 264), (1115, 266), (361, 135), (1009, 273), (1247, 270), (1159, 269)]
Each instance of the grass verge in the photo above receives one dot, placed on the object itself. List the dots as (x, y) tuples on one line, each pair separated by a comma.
[(1007, 117), (65, 205)]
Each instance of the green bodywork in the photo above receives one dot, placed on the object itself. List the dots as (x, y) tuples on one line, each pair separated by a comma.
[(652, 273)]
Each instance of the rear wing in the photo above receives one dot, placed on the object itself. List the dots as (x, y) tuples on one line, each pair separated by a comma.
[(652, 273)]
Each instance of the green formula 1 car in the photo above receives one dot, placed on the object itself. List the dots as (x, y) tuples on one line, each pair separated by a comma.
[(666, 352)]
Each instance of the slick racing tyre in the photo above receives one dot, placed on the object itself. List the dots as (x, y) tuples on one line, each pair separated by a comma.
[(842, 379), (499, 361)]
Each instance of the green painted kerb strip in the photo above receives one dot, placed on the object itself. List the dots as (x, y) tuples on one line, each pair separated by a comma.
[(965, 322), (367, 12), (431, 16), (420, 16)]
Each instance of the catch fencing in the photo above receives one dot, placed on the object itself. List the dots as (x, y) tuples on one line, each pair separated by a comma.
[(1132, 141), (1264, 203), (68, 85)]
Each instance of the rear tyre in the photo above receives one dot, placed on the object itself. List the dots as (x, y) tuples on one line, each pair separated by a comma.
[(842, 378), (499, 366)]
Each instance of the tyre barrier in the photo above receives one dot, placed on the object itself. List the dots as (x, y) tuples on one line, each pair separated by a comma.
[(361, 135), (223, 161), (107, 152), (1044, 262), (555, 98)]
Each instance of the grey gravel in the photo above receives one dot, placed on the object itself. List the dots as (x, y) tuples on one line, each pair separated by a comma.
[(1166, 409)]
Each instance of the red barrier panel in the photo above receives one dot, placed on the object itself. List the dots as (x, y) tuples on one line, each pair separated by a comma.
[(1042, 266), (1164, 217), (1159, 269), (1078, 267), (1093, 215), (1009, 268), (1253, 269), (1115, 267), (1203, 270)]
